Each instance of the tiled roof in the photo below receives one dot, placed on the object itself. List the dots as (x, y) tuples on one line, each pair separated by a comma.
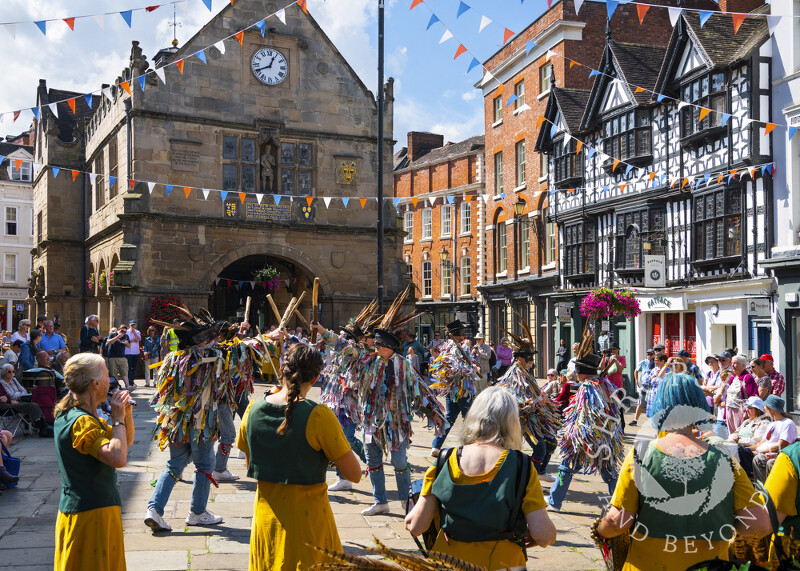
[(448, 152), (718, 41), (400, 159), (572, 104), (66, 120), (639, 66), (7, 148)]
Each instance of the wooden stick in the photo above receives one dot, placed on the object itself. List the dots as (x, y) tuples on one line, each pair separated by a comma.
[(266, 352), (274, 307), (247, 309), (286, 314), (314, 308), (293, 305), (302, 319)]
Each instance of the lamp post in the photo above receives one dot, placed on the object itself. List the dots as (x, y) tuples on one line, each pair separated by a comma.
[(519, 206), (444, 257), (380, 156)]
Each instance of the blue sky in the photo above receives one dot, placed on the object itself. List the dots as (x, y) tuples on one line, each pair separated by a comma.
[(432, 91)]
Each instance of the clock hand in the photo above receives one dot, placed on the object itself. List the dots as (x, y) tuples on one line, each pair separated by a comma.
[(270, 63)]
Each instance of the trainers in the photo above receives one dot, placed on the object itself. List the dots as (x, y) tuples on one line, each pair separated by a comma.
[(225, 476), (546, 478), (435, 452), (551, 507), (241, 455), (156, 522), (376, 509), (205, 518), (633, 423), (341, 486)]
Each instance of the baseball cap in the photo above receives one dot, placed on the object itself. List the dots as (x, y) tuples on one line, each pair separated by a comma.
[(715, 357), (650, 351), (725, 355), (684, 353), (658, 347), (132, 322), (615, 345), (767, 357)]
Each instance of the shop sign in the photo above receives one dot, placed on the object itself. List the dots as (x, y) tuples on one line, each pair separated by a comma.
[(655, 274), (758, 307), (564, 311), (20, 307), (605, 325), (13, 293), (662, 303)]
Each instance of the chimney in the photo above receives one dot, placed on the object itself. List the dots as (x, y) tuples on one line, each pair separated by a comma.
[(420, 143)]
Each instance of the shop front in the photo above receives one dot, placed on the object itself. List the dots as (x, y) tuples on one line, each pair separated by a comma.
[(437, 315), (12, 307)]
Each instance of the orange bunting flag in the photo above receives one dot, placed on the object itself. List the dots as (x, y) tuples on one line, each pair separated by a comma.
[(573, 62), (18, 163), (500, 89), (131, 184), (71, 103), (414, 201), (622, 187), (309, 200), (302, 4), (16, 115), (719, 180), (415, 3), (615, 165), (685, 182), (468, 198), (737, 21), (179, 63), (768, 129), (126, 86), (239, 36), (639, 90), (652, 176), (187, 190), (753, 173), (70, 22), (642, 10), (734, 171), (703, 112), (674, 182), (363, 202), (539, 121), (242, 196), (578, 146), (461, 49), (75, 175), (507, 35)]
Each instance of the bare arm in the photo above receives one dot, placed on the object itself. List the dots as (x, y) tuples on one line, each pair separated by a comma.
[(540, 528), (115, 452), (420, 517), (349, 467), (753, 521), (615, 522)]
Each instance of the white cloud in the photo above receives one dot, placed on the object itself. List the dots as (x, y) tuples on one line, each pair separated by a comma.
[(412, 115), (470, 95)]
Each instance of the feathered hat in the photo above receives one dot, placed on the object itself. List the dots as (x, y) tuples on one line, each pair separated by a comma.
[(522, 346), (587, 361), (393, 320), (199, 328), (356, 327)]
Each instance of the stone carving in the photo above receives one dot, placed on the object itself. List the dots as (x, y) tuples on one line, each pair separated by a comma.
[(36, 283), (269, 144)]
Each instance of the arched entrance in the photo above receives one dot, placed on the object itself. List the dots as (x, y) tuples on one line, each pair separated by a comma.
[(241, 278)]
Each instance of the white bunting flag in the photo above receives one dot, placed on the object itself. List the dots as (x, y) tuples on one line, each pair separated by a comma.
[(550, 54), (100, 19), (161, 75), (281, 15), (12, 30), (54, 108), (772, 22), (486, 198), (432, 201), (681, 105), (259, 197), (150, 187), (746, 122), (484, 22), (446, 36), (253, 285), (216, 281), (220, 45), (92, 177), (567, 137), (487, 78), (107, 93), (206, 192), (327, 201), (674, 14), (578, 4), (36, 168)]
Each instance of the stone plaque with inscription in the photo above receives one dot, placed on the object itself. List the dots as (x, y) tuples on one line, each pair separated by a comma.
[(268, 212), (185, 157)]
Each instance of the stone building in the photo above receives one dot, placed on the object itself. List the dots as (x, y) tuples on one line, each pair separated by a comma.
[(668, 191), (439, 188), (16, 206), (268, 141)]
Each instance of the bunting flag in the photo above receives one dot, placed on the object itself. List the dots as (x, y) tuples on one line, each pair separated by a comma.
[(259, 197), (461, 49), (12, 30), (616, 163), (70, 22), (703, 112), (16, 116), (578, 4), (187, 190), (53, 109), (309, 200), (208, 4), (792, 131), (622, 187), (611, 5), (414, 201), (201, 55), (42, 25), (725, 118), (92, 178), (737, 21), (511, 99), (674, 14), (446, 36), (100, 19), (507, 35), (126, 86), (277, 199), (529, 45), (327, 201), (262, 27), (345, 200), (55, 170), (432, 21), (462, 8), (150, 187), (89, 99), (169, 188), (35, 111), (131, 184), (474, 63), (240, 36), (220, 46), (550, 54), (302, 4), (179, 63), (704, 16), (769, 128), (127, 15), (363, 202), (484, 22), (75, 175), (415, 3), (242, 196), (141, 79), (578, 146)]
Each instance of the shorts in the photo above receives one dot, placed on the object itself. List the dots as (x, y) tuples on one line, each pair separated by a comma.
[(642, 398), (118, 367)]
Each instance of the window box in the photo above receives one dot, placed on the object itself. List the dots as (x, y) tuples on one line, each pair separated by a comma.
[(726, 262), (639, 161), (700, 138)]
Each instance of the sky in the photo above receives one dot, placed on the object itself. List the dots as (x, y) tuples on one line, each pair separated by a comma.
[(433, 92)]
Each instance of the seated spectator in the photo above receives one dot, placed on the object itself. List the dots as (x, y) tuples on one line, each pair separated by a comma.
[(751, 433), (23, 331), (12, 354), (27, 357), (780, 434), (28, 409), (554, 384), (60, 359), (5, 477), (43, 361), (12, 386)]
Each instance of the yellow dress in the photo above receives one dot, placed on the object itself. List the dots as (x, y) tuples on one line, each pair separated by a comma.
[(91, 539), (782, 487), (288, 517), (652, 553), (489, 554)]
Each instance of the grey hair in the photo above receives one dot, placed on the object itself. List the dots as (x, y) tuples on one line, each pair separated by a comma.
[(552, 371), (5, 368), (740, 359), (494, 418), (90, 318), (79, 373)]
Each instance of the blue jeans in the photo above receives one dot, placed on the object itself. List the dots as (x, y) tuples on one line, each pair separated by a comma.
[(454, 408), (542, 451), (132, 362), (202, 455), (721, 429), (559, 489), (402, 471), (357, 446), (227, 436)]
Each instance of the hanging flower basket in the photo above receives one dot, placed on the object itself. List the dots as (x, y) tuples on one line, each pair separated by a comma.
[(103, 279), (268, 275), (111, 278), (605, 303), (90, 282)]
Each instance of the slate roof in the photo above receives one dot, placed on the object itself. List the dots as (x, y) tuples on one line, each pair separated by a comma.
[(7, 148), (447, 152), (572, 105), (400, 159), (66, 120), (718, 41), (639, 65)]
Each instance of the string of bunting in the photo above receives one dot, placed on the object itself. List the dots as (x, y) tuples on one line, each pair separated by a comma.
[(129, 85), (264, 285)]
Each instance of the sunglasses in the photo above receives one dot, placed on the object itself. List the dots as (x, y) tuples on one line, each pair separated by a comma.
[(550, 375)]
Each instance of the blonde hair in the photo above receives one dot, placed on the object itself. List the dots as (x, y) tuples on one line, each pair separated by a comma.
[(494, 418), (79, 373)]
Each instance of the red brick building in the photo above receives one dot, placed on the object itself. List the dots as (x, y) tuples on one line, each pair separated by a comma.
[(520, 271), (439, 186)]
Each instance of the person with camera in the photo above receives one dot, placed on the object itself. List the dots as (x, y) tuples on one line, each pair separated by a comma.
[(115, 345)]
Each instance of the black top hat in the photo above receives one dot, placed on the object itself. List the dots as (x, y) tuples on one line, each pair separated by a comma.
[(456, 328), (589, 364), (385, 338), (353, 331)]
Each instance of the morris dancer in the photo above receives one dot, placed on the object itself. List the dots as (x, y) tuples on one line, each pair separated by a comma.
[(538, 414), (390, 393), (455, 376), (591, 437)]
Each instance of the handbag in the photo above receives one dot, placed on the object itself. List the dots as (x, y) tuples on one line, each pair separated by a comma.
[(12, 464)]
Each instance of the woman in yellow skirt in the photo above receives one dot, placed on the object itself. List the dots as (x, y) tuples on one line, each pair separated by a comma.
[(89, 521), (289, 441)]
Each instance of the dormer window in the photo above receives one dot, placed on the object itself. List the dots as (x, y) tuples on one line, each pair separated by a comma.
[(568, 163), (627, 137), (707, 91)]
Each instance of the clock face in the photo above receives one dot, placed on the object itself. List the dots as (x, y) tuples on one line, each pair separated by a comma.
[(269, 66)]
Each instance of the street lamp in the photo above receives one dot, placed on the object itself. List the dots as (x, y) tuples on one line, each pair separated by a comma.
[(444, 256), (519, 206)]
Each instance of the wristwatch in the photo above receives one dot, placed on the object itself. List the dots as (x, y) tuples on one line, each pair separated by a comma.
[(117, 423)]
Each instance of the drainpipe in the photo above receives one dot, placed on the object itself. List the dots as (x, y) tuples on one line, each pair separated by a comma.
[(84, 225), (128, 105)]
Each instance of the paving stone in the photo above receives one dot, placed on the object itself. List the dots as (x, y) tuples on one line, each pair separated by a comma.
[(158, 560), (164, 541), (203, 560), (225, 545), (27, 539)]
